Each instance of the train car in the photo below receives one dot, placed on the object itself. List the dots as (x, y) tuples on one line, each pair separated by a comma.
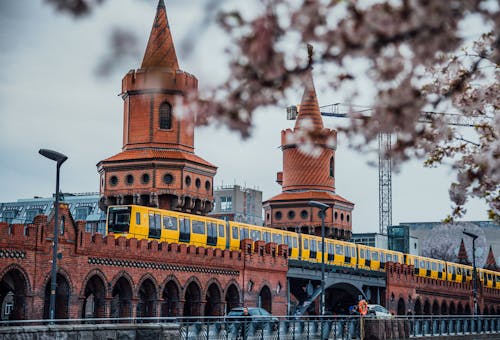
[(427, 267), (489, 278), (133, 221), (340, 253), (309, 248), (457, 272), (371, 258), (238, 231)]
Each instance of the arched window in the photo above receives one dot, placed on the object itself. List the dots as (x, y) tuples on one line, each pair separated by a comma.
[(332, 167), (165, 116)]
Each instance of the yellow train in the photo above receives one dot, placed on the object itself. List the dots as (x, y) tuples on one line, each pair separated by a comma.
[(133, 221)]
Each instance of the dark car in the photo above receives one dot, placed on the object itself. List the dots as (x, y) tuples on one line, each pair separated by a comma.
[(259, 317)]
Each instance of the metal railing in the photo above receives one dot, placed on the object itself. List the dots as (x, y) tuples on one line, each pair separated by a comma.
[(287, 327)]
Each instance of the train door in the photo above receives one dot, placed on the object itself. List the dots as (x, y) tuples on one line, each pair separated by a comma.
[(185, 230), (339, 255), (170, 231), (313, 250), (330, 252), (222, 239), (154, 225), (347, 255), (211, 234)]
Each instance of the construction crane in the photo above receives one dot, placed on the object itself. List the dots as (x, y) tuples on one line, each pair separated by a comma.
[(341, 110)]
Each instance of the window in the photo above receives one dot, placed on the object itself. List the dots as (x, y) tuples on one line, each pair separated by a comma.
[(165, 116), (332, 167), (244, 233), (294, 242), (169, 222), (306, 244), (145, 178), (81, 213), (198, 227), (129, 179), (197, 182), (221, 230), (226, 203), (303, 214), (277, 239), (113, 180), (255, 235), (339, 249), (235, 233), (374, 256), (291, 214), (168, 179), (188, 180), (31, 213), (267, 236), (9, 215), (207, 185), (278, 215)]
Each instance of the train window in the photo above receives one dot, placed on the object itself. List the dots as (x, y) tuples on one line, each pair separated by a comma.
[(138, 218), (306, 244), (382, 257), (375, 256), (170, 222), (330, 249), (255, 235), (244, 233), (422, 264), (428, 265), (211, 229), (235, 233), (154, 221), (294, 242), (434, 266), (368, 255), (313, 245), (338, 249), (347, 252), (198, 227), (440, 267), (389, 258), (415, 263), (185, 225), (353, 252), (362, 253), (267, 236), (277, 239), (221, 230)]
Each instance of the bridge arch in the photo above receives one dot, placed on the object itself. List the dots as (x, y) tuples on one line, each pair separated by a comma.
[(460, 309), (452, 310), (418, 307), (63, 293), (444, 308), (467, 310), (401, 306), (14, 287), (427, 307), (232, 296), (435, 308), (213, 298), (339, 296), (171, 297), (148, 297), (94, 296), (121, 297), (192, 298), (266, 298)]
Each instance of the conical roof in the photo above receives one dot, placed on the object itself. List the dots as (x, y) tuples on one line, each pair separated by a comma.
[(309, 114), (491, 263), (160, 51), (462, 256)]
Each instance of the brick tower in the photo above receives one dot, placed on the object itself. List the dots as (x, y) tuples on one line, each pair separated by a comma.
[(157, 166), (309, 175)]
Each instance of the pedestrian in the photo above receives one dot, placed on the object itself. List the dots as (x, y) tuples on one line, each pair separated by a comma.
[(244, 323)]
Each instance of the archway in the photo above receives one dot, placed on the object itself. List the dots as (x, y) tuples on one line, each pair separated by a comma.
[(94, 298), (485, 310), (427, 307), (435, 308), (444, 308), (170, 298), (213, 306), (62, 298), (232, 298), (467, 310), (492, 310), (460, 309), (452, 308), (418, 307), (192, 299), (121, 299), (147, 299), (401, 307), (265, 299), (13, 295), (339, 297)]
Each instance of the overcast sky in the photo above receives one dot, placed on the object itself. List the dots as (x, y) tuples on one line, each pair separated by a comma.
[(51, 97)]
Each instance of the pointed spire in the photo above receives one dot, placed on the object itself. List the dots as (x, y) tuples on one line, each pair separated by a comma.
[(160, 51), (491, 263), (462, 256), (309, 112)]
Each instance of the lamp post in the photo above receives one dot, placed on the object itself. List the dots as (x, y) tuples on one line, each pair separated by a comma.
[(60, 159), (323, 207), (474, 271)]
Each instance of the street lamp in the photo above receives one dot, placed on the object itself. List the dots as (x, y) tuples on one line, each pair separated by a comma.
[(474, 272), (60, 159), (323, 207)]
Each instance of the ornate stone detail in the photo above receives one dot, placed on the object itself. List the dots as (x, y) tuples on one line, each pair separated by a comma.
[(11, 253)]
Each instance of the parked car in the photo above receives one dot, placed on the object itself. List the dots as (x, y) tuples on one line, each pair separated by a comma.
[(378, 311), (259, 317)]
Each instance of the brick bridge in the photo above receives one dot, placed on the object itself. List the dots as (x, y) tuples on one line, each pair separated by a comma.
[(103, 276)]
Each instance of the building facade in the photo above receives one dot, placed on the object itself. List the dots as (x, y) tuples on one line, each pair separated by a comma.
[(236, 203)]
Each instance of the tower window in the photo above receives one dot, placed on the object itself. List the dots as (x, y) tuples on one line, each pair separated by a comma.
[(291, 214), (129, 179), (332, 167), (278, 215), (168, 179), (197, 183), (303, 214), (165, 116)]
